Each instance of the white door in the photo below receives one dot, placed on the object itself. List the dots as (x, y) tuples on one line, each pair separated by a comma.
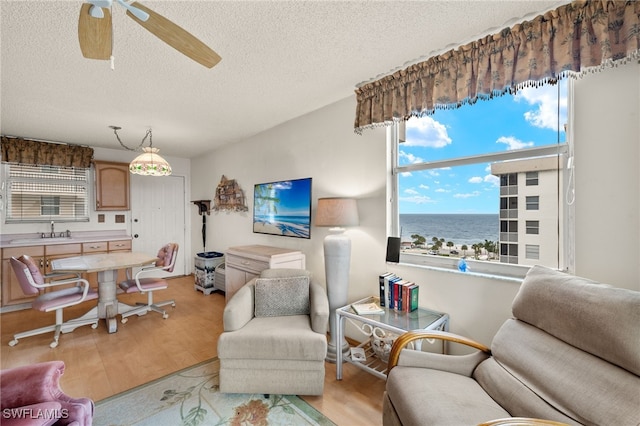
[(157, 216)]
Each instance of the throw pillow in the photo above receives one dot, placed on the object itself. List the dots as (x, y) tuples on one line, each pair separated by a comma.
[(281, 296)]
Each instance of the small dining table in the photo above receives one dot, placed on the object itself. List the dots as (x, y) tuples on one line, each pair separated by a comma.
[(106, 265)]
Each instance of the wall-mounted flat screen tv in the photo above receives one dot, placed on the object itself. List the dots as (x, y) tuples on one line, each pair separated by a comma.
[(283, 208)]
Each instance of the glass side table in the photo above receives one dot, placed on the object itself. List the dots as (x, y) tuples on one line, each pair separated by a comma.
[(391, 321)]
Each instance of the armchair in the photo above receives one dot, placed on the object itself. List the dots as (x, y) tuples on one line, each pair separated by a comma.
[(275, 336), (32, 282), (570, 354), (31, 396), (145, 282)]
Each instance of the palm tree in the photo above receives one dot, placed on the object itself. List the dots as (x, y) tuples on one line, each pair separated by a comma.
[(450, 244), (418, 240), (464, 249)]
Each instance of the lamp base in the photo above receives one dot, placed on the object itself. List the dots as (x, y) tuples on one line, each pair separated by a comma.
[(337, 256)]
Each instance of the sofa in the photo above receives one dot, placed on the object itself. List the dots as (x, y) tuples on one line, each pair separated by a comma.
[(31, 396), (275, 335), (569, 354)]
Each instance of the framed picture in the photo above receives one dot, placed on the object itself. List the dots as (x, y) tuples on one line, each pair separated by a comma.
[(283, 208)]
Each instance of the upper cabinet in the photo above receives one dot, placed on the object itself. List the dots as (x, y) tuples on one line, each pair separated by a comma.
[(112, 185)]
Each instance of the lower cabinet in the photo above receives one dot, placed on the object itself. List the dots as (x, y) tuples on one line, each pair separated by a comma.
[(244, 263)]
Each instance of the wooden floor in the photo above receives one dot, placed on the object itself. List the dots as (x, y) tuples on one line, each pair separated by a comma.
[(99, 364)]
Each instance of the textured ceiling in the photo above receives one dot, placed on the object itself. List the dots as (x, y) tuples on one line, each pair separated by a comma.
[(280, 60)]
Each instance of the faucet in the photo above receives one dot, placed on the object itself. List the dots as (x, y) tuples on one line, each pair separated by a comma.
[(53, 233)]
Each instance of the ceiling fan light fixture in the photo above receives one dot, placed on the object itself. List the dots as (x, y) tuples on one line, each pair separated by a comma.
[(150, 163)]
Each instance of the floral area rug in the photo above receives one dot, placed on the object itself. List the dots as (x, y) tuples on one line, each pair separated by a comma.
[(190, 397)]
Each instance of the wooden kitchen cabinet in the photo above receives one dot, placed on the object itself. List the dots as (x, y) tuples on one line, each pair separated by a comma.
[(112, 185), (120, 246), (11, 291), (243, 263)]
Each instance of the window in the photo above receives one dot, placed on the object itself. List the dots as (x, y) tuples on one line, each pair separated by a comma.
[(532, 251), (44, 193), (532, 178), (469, 175), (533, 227), (533, 202)]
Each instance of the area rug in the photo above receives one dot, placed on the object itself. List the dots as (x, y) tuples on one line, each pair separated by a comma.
[(190, 397)]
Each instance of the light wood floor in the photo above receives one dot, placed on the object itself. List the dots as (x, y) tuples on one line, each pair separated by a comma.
[(99, 364)]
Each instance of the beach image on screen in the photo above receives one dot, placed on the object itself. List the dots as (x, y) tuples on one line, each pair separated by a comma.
[(283, 208)]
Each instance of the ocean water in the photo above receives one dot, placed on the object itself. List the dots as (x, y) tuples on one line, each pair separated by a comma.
[(459, 228)]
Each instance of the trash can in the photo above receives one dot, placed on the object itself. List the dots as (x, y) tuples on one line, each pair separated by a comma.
[(206, 264)]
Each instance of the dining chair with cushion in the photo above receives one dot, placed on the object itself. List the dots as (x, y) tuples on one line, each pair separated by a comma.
[(33, 282), (145, 282)]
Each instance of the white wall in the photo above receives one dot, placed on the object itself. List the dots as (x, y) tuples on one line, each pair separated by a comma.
[(322, 145)]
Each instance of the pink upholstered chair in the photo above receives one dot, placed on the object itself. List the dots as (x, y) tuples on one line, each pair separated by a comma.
[(31, 396), (32, 282), (144, 284)]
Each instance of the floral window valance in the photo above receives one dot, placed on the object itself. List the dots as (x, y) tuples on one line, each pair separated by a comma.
[(24, 151), (576, 38)]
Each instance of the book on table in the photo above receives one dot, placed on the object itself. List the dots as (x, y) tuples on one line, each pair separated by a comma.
[(367, 308)]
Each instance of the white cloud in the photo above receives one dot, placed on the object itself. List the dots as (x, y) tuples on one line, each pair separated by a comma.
[(467, 195), (427, 132), (441, 190), (545, 101), (492, 179), (423, 186), (475, 179), (408, 158), (411, 191), (513, 143), (417, 199)]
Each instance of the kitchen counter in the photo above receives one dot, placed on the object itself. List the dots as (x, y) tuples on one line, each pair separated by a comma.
[(34, 239)]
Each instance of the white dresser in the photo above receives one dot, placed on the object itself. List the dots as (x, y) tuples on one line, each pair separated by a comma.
[(246, 262)]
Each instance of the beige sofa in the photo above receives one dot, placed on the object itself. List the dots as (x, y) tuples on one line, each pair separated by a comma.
[(571, 354), (275, 336)]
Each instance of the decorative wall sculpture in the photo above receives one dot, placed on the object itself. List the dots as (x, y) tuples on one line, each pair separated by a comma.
[(229, 196)]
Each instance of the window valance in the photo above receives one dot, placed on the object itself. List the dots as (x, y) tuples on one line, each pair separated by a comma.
[(24, 151), (576, 38)]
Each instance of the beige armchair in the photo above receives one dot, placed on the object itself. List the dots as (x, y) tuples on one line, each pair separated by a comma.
[(274, 339), (570, 354)]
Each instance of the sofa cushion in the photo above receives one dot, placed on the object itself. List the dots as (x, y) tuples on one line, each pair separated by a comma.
[(422, 396), (603, 319), (274, 338), (282, 296)]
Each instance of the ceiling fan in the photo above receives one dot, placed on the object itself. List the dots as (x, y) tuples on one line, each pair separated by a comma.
[(95, 32)]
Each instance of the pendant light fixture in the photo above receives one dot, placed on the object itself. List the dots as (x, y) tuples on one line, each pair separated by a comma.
[(149, 163)]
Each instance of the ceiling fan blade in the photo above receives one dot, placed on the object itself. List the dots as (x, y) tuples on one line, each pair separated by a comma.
[(94, 34), (176, 37)]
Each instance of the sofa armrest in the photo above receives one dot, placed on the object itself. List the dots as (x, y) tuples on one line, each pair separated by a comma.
[(31, 384), (460, 364), (318, 309), (522, 421), (240, 308)]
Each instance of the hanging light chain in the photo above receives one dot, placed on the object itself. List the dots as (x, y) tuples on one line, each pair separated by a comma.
[(147, 135)]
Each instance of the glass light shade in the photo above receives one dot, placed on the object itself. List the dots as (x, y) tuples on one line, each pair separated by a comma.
[(337, 212), (150, 163)]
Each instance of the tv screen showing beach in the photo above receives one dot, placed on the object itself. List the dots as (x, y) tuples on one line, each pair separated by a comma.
[(283, 208)]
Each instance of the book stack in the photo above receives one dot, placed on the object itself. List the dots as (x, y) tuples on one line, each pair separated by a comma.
[(398, 294)]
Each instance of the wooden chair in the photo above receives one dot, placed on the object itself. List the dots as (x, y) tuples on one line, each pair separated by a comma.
[(143, 283), (32, 282)]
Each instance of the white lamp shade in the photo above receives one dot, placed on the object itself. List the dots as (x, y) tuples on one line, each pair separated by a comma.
[(337, 212), (150, 163)]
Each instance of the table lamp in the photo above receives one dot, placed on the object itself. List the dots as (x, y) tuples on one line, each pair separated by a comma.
[(336, 213)]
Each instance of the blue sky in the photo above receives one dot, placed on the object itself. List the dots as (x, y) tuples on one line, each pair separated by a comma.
[(294, 197), (527, 119)]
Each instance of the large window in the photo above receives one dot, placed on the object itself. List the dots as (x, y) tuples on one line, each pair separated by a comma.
[(472, 181), (45, 193)]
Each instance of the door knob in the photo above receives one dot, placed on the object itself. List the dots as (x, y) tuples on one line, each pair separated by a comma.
[(135, 235)]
